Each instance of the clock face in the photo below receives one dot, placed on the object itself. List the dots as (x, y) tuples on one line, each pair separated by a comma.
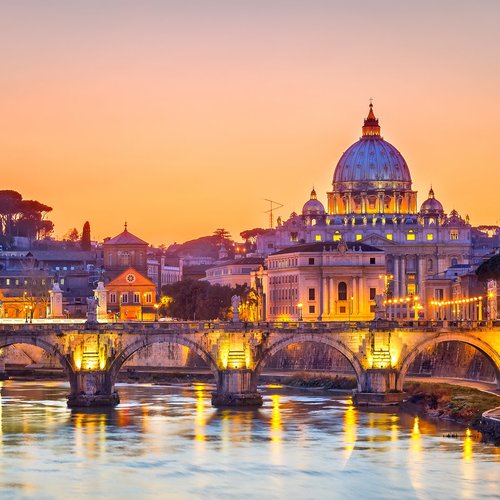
[(130, 278)]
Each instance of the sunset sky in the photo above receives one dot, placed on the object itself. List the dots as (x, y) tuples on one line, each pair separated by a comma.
[(183, 116)]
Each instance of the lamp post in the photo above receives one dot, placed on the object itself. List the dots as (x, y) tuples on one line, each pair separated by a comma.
[(156, 311), (299, 307), (25, 313)]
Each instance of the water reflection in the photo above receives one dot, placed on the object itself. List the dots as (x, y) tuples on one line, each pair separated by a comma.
[(166, 439)]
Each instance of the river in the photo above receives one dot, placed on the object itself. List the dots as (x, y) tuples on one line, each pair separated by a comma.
[(168, 442)]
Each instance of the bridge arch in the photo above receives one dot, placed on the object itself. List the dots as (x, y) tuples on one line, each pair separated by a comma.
[(318, 338), (471, 340), (143, 342)]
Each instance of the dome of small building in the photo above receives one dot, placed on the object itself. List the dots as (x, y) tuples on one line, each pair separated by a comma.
[(431, 205), (313, 206), (372, 162)]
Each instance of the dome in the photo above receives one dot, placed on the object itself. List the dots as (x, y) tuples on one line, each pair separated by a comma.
[(372, 162), (431, 205), (313, 206)]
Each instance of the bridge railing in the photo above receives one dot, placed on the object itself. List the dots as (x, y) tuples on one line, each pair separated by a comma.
[(276, 326)]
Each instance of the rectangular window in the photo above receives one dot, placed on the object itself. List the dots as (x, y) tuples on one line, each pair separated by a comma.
[(412, 288), (312, 309), (318, 237), (372, 308), (439, 293), (112, 298), (61, 281), (311, 261), (389, 236), (312, 293), (137, 297), (410, 236), (359, 237), (337, 237), (373, 292), (372, 260), (454, 234), (7, 281), (148, 297), (342, 309), (430, 236), (124, 298)]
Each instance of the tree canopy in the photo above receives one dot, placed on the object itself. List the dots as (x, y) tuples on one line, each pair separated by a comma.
[(20, 217), (490, 269)]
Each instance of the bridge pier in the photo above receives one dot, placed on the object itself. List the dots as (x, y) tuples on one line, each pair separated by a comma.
[(92, 388), (236, 388), (378, 387), (3, 373)]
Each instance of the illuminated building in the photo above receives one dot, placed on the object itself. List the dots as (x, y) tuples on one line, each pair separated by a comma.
[(372, 202), (331, 281), (232, 272)]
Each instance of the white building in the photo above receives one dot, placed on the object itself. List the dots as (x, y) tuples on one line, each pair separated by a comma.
[(233, 272), (372, 202)]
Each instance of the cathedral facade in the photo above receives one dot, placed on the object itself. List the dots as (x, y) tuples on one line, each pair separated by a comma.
[(372, 202)]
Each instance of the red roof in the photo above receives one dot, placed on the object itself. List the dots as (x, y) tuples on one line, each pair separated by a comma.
[(125, 238)]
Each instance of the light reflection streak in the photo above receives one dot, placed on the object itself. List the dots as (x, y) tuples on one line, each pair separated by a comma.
[(276, 430), (468, 467), (200, 420), (415, 459), (350, 430)]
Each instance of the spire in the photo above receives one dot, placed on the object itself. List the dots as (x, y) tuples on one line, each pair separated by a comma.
[(371, 127), (313, 194), (431, 193)]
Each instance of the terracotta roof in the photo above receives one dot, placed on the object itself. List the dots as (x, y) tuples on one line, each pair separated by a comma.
[(137, 280), (125, 238)]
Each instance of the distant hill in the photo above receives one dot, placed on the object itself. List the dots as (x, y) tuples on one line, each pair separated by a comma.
[(206, 246)]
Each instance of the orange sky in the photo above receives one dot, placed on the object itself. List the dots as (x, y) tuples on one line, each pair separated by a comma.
[(183, 116)]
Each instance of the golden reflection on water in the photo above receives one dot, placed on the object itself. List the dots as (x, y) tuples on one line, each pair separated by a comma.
[(468, 467), (350, 430), (200, 420), (90, 434)]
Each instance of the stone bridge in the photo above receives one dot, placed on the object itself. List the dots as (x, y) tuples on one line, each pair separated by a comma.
[(380, 353)]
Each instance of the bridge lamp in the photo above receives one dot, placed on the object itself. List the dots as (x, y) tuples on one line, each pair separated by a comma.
[(299, 307), (156, 311)]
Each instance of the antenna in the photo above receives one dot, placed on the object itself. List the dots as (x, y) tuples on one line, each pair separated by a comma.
[(277, 205)]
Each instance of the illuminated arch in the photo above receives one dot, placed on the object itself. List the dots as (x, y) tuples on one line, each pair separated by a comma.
[(160, 339), (317, 338), (479, 344)]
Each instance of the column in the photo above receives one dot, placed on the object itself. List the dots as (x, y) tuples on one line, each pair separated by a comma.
[(396, 275), (402, 278)]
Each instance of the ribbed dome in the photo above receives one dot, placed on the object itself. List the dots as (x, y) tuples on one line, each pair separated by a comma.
[(372, 161), (431, 205), (313, 206)]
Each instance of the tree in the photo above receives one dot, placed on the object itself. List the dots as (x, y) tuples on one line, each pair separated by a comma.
[(250, 235), (490, 269), (85, 241), (222, 235), (72, 235)]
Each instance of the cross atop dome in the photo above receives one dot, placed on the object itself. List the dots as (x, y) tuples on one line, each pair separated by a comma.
[(371, 127)]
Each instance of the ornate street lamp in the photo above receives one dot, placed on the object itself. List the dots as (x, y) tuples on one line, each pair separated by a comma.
[(299, 307)]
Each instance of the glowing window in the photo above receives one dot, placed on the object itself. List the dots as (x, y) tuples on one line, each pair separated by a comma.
[(359, 237), (430, 236), (337, 236), (389, 236), (318, 237), (454, 234), (410, 236)]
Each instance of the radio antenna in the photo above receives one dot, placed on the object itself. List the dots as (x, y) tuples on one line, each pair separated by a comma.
[(274, 205)]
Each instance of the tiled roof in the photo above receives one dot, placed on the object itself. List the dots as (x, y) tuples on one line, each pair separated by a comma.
[(125, 238)]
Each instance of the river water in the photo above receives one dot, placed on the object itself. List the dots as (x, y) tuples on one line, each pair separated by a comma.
[(168, 442)]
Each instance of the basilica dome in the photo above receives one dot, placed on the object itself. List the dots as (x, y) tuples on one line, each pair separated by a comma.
[(313, 206), (371, 163), (431, 205)]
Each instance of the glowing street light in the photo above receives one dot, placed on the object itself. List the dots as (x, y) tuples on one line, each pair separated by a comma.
[(299, 307)]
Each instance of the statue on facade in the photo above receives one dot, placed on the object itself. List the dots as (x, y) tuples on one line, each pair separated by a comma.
[(365, 220), (92, 304), (235, 305), (394, 220)]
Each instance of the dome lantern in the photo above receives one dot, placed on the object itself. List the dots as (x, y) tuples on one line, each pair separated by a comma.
[(371, 127)]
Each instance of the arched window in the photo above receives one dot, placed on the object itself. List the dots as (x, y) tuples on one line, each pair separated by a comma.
[(454, 261), (342, 290)]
